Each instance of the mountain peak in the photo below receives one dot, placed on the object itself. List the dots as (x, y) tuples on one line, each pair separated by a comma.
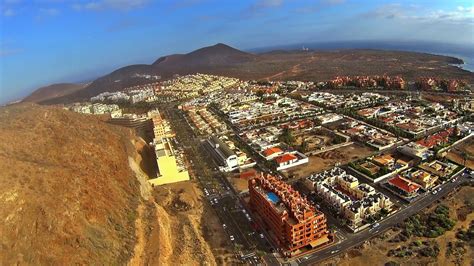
[(217, 54), (222, 45)]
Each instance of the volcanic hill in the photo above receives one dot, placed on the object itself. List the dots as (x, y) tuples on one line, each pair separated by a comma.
[(53, 91), (221, 59)]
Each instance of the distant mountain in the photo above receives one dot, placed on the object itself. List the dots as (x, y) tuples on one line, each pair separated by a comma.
[(53, 91), (206, 60), (219, 54), (221, 59)]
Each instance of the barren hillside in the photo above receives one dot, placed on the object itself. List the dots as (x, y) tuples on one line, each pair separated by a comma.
[(67, 194), (53, 91), (73, 190)]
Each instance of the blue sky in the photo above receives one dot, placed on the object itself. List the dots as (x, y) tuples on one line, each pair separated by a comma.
[(49, 41)]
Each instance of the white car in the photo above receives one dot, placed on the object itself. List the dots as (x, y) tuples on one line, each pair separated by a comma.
[(232, 238), (223, 225), (434, 192), (262, 236)]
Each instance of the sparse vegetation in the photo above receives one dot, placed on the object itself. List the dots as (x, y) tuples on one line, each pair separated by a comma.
[(431, 225), (467, 235), (416, 248)]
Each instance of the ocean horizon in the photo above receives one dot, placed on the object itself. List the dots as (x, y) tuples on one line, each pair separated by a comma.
[(464, 52)]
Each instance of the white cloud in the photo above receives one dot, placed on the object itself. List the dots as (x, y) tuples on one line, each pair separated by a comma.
[(6, 52), (49, 11), (333, 2), (111, 4), (396, 11), (269, 3), (260, 6), (8, 12)]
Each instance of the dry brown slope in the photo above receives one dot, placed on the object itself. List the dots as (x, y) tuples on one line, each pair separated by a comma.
[(53, 91), (67, 194)]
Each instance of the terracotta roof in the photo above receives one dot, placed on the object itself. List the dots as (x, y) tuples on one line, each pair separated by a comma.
[(248, 174), (285, 158), (404, 184), (384, 159), (436, 139), (271, 151)]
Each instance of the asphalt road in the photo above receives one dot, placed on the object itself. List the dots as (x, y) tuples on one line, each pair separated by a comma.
[(358, 238)]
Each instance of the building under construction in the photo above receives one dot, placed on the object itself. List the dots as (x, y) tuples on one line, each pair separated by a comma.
[(290, 219)]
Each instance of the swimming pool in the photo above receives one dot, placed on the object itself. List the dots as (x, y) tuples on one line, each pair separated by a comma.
[(273, 197)]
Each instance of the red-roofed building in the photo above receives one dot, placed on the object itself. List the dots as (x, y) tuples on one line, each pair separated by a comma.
[(290, 160), (286, 158), (271, 153), (404, 186), (436, 139)]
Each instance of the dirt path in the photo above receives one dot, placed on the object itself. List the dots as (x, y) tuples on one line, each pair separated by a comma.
[(139, 249)]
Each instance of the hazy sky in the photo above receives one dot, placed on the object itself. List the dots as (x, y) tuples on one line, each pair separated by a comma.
[(48, 41)]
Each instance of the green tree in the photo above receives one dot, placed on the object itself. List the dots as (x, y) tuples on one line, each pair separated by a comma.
[(304, 146), (287, 137)]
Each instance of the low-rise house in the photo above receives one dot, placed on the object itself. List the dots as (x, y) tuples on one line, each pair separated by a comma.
[(271, 153), (415, 150), (439, 168), (289, 160), (404, 187), (423, 178)]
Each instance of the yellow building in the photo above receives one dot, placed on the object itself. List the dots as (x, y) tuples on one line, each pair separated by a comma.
[(171, 167), (425, 179), (348, 182), (161, 127)]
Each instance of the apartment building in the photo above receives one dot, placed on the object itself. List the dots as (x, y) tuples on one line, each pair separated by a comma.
[(355, 201), (161, 127), (142, 124), (171, 167), (291, 221)]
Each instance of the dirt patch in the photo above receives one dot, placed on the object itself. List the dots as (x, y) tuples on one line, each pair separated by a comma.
[(183, 230), (239, 184), (463, 153), (329, 159)]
